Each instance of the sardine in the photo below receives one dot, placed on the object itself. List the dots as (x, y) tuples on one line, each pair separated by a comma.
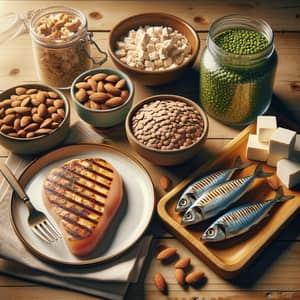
[(241, 219), (218, 198), (198, 187)]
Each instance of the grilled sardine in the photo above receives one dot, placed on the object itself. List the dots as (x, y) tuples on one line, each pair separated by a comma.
[(218, 198), (197, 188), (83, 195), (241, 219)]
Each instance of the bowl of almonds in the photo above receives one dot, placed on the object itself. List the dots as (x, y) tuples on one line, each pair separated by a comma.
[(102, 97), (33, 118), (167, 129)]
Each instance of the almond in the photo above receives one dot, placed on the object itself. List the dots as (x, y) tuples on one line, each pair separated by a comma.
[(121, 84), (52, 95), (112, 78), (112, 89), (99, 97), (99, 76), (22, 110), (20, 90), (160, 282), (46, 123), (17, 124), (100, 87), (124, 95), (194, 277), (166, 253), (180, 276), (26, 101), (51, 109), (42, 110), (5, 103), (16, 103), (25, 121), (92, 82), (6, 129), (9, 119), (165, 182), (36, 118), (31, 91), (273, 182), (81, 95), (183, 263), (83, 85), (41, 97), (58, 103), (32, 127), (115, 101)]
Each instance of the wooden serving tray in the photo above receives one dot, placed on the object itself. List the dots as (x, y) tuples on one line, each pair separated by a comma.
[(229, 258)]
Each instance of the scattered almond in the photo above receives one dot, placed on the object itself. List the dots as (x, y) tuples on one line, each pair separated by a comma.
[(183, 263), (160, 282), (165, 182), (273, 182), (166, 253), (194, 277), (180, 276)]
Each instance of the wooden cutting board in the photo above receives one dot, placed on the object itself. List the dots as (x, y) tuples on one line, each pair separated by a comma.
[(229, 258)]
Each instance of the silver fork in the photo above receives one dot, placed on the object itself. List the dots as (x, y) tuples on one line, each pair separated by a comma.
[(37, 220)]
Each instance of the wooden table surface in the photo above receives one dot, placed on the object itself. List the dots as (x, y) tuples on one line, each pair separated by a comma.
[(275, 274)]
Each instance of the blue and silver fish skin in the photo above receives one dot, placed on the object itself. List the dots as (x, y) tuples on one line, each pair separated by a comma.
[(198, 187), (218, 198), (240, 219)]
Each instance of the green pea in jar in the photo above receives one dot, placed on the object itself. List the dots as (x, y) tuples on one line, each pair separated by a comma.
[(237, 69)]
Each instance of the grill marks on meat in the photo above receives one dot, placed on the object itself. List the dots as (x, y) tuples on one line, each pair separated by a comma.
[(78, 191)]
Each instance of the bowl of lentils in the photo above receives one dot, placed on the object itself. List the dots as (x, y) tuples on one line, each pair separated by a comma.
[(153, 48), (166, 129)]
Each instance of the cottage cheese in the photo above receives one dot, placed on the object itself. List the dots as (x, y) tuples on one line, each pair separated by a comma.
[(153, 48)]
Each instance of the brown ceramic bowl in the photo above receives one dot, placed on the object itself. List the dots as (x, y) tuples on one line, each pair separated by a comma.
[(166, 157), (37, 144), (153, 78)]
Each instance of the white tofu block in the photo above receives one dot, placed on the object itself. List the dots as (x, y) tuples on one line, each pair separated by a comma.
[(273, 159), (288, 172), (255, 149), (296, 151), (282, 142), (265, 127)]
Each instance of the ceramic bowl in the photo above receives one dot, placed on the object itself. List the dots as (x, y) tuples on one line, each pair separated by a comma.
[(38, 144), (166, 157), (103, 117), (153, 78)]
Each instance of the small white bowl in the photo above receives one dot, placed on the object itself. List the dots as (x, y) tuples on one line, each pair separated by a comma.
[(104, 117)]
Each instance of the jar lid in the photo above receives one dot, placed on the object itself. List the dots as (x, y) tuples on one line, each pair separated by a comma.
[(11, 25)]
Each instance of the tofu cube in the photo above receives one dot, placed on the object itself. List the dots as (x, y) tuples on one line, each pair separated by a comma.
[(255, 149), (266, 126), (288, 172), (296, 151), (281, 145)]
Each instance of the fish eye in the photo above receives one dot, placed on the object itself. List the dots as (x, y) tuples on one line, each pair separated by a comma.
[(210, 232), (188, 216), (183, 201)]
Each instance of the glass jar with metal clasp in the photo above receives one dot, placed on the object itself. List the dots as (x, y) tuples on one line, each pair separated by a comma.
[(61, 45)]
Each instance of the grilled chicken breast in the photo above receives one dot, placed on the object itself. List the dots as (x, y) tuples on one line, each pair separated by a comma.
[(83, 196)]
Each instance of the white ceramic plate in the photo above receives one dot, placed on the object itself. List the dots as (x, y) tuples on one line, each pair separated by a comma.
[(130, 223)]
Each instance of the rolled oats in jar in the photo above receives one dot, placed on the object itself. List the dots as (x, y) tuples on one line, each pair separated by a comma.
[(61, 45)]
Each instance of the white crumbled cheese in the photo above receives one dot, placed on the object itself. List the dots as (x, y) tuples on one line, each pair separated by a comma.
[(256, 150), (288, 172), (154, 48), (281, 145), (266, 126)]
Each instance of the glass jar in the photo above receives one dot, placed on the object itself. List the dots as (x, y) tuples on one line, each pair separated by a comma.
[(61, 45), (235, 88)]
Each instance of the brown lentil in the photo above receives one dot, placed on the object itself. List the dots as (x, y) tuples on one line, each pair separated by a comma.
[(167, 124)]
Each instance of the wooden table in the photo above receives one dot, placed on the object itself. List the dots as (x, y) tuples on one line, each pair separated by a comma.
[(276, 272)]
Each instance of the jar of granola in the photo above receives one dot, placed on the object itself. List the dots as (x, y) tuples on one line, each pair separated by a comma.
[(61, 45)]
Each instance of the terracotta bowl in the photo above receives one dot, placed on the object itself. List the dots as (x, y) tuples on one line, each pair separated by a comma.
[(153, 78), (38, 144), (166, 157)]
